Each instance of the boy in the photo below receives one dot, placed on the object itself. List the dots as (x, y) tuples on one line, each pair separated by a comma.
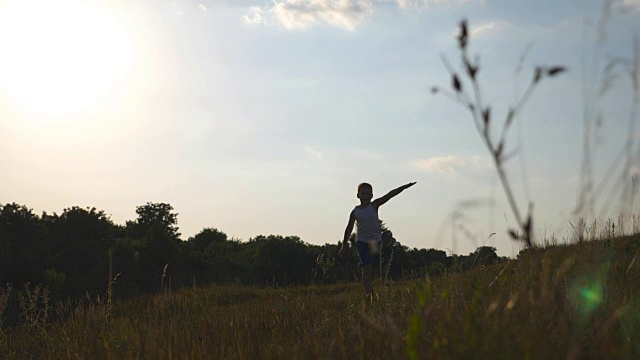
[(368, 234)]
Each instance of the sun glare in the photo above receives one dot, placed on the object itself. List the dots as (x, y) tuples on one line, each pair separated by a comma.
[(61, 56)]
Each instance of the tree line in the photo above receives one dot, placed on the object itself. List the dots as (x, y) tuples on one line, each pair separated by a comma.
[(76, 252)]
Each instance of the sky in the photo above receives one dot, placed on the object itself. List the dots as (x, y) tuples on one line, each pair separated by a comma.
[(262, 117)]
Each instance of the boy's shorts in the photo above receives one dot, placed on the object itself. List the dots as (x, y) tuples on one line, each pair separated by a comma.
[(367, 251)]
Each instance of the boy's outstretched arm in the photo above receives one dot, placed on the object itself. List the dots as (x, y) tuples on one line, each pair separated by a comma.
[(379, 202), (347, 233)]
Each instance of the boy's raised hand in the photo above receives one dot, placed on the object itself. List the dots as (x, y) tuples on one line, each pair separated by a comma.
[(379, 202)]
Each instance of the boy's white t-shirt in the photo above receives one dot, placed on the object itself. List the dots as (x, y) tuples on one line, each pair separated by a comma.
[(367, 224)]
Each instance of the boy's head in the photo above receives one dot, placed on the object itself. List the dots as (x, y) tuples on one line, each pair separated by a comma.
[(365, 192)]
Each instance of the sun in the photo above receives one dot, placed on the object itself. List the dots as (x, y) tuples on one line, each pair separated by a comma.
[(61, 56)]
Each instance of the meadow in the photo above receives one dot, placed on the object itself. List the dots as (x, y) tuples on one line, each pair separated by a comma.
[(577, 301)]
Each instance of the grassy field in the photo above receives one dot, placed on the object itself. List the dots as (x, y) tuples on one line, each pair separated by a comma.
[(564, 302)]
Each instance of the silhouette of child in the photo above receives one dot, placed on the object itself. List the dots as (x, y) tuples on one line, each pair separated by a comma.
[(368, 233)]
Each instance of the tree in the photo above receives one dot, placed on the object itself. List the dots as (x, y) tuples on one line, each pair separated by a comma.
[(155, 240), (284, 260), (206, 237), (78, 242), (485, 255), (423, 262), (22, 245), (154, 215)]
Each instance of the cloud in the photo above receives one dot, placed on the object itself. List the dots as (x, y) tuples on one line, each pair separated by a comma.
[(452, 164), (630, 5), (444, 164), (302, 14), (487, 27), (425, 4), (255, 16), (483, 29), (313, 152), (405, 4)]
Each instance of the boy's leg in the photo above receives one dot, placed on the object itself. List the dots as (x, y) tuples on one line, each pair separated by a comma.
[(366, 279), (365, 251)]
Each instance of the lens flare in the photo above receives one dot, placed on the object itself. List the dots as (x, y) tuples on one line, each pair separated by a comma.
[(592, 295), (586, 295)]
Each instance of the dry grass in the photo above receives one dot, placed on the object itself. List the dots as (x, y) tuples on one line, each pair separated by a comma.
[(564, 302)]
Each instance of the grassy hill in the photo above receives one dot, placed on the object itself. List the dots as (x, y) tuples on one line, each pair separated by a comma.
[(577, 301)]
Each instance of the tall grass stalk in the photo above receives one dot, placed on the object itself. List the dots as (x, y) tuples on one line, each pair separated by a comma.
[(619, 183), (466, 91), (111, 281), (164, 274)]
